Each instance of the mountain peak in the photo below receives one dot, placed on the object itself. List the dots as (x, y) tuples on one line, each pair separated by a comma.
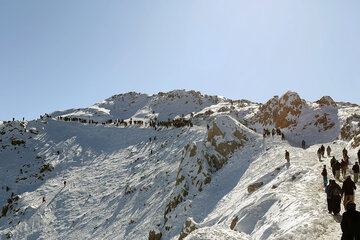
[(291, 98), (326, 101)]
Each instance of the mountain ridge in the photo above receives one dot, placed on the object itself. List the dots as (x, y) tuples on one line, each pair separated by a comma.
[(141, 166)]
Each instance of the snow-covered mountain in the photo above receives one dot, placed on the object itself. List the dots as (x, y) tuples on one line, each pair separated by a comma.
[(176, 165)]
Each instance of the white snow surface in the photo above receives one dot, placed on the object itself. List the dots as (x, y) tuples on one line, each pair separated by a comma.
[(117, 189)]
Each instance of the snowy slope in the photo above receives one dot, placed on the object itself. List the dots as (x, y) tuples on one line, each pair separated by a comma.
[(135, 181)]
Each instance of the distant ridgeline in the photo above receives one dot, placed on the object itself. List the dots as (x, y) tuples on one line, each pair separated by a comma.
[(296, 117)]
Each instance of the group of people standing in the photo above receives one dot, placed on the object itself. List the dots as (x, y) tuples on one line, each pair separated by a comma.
[(350, 224), (273, 132), (321, 152), (341, 167)]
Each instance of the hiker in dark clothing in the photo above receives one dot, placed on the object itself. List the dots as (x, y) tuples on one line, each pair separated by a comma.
[(350, 222), (333, 194), (282, 136), (322, 150), (319, 154), (337, 167), (332, 164), (358, 155), (303, 144), (278, 132), (324, 174), (329, 196), (344, 152), (346, 159), (348, 190), (287, 156), (328, 151), (343, 168), (355, 169), (336, 197)]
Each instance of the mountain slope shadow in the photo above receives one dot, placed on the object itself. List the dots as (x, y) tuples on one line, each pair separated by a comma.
[(223, 182)]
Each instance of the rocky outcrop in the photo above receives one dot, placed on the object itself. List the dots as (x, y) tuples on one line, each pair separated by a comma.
[(351, 127), (226, 143), (351, 130), (281, 112), (324, 122), (189, 226), (234, 222), (326, 101), (17, 142), (254, 186), (356, 141), (154, 236)]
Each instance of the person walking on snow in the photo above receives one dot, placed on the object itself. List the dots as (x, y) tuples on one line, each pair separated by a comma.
[(333, 194), (336, 197), (287, 156), (350, 222), (344, 152), (329, 196), (324, 174), (332, 164), (355, 169), (303, 144), (348, 190), (346, 159), (343, 168), (322, 150), (337, 167), (328, 151), (319, 154)]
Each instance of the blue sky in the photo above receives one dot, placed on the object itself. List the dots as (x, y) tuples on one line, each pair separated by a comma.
[(56, 55)]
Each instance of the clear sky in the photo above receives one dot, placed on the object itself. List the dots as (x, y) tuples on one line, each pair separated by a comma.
[(56, 55)]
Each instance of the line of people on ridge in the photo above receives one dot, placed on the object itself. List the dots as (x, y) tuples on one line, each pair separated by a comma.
[(277, 131), (350, 224)]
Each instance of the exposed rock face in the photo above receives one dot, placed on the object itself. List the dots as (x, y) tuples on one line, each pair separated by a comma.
[(281, 112), (234, 222), (254, 186), (351, 130), (351, 127), (299, 119), (326, 101), (225, 145), (356, 141), (197, 164), (214, 131), (17, 142), (189, 226), (324, 121), (154, 236)]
